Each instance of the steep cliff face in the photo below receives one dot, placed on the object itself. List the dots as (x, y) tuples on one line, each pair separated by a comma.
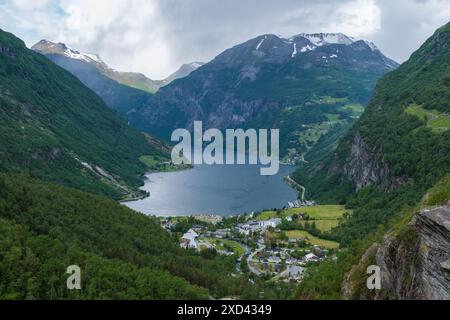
[(362, 168), (417, 265), (414, 263)]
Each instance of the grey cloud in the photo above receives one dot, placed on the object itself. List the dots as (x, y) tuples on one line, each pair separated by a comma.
[(180, 31)]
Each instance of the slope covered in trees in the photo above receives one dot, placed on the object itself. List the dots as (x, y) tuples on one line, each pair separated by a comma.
[(45, 228), (390, 158), (55, 128)]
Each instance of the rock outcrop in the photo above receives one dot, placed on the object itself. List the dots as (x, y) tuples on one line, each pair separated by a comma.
[(362, 168), (416, 264)]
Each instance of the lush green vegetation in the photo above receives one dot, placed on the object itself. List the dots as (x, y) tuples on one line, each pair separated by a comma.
[(435, 120), (400, 135), (312, 224), (227, 245), (50, 124), (161, 164), (305, 235), (319, 212), (439, 194), (122, 254)]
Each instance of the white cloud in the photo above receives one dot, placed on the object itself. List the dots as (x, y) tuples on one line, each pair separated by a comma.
[(360, 18), (156, 36)]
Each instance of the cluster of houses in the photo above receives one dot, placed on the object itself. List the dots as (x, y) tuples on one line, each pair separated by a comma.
[(257, 226), (276, 256), (279, 263), (190, 240), (283, 262), (301, 204), (294, 273)]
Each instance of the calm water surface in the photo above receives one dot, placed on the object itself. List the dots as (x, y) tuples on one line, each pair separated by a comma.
[(218, 189)]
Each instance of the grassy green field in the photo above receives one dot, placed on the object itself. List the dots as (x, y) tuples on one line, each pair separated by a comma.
[(325, 217), (161, 164), (330, 100), (324, 212), (297, 234), (354, 109), (435, 120), (225, 245), (333, 117), (324, 225)]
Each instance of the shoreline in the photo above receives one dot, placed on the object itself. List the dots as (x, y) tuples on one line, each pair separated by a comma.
[(287, 179), (144, 178)]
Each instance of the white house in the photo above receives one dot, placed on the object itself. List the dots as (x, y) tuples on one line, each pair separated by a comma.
[(189, 240), (274, 260), (293, 273), (311, 257), (272, 223)]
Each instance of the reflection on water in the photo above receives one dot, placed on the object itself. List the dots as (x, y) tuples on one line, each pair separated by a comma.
[(219, 189)]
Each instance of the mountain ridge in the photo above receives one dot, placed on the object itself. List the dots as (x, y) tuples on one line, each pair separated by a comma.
[(270, 82), (134, 80), (55, 128)]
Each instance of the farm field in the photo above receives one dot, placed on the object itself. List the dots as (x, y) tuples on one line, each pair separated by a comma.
[(227, 245), (435, 120), (320, 212), (297, 234)]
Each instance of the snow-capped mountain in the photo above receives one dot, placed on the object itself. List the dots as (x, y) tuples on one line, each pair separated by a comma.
[(296, 84), (131, 79), (273, 48), (321, 39), (50, 47)]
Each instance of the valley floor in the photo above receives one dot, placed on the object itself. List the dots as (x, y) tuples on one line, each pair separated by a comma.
[(279, 245)]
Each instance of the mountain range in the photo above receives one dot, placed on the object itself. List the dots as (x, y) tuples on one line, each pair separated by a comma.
[(311, 87), (55, 128), (369, 134), (130, 79), (121, 91), (65, 160)]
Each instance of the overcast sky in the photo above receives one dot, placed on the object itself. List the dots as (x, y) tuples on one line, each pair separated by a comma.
[(156, 36)]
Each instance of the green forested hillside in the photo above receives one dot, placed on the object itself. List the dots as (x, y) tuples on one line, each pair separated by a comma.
[(122, 255), (53, 127), (400, 143)]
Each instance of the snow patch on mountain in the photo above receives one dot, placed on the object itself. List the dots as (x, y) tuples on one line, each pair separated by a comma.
[(260, 43), (307, 48), (295, 51), (320, 39)]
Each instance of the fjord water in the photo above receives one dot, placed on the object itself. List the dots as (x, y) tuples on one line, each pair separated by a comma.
[(218, 189)]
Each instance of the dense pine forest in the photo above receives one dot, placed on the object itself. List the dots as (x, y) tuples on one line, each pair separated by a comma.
[(122, 254)]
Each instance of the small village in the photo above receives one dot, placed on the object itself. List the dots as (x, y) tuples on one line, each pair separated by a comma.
[(278, 244)]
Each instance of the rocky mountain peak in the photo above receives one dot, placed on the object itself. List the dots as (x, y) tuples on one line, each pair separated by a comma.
[(50, 47), (318, 47), (320, 39)]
